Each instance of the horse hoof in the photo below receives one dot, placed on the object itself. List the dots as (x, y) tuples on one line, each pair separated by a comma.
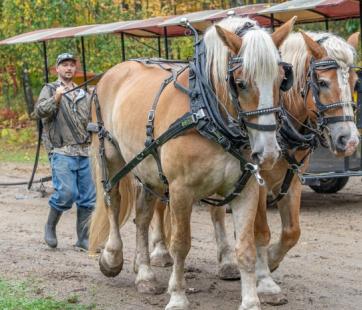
[(229, 272), (178, 302), (161, 260), (109, 271), (253, 307), (175, 308), (273, 299), (149, 287), (273, 266)]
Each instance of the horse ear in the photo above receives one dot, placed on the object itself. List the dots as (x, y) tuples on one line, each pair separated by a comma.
[(314, 48), (230, 39), (283, 31), (353, 40)]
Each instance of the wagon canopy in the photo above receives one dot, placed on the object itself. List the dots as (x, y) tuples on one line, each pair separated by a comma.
[(313, 10)]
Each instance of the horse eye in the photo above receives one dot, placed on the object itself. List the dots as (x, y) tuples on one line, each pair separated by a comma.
[(323, 83), (242, 84)]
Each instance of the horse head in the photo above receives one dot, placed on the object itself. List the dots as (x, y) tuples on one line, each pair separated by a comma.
[(244, 67), (330, 82)]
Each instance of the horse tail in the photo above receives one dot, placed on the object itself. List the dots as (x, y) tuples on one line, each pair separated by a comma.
[(99, 226)]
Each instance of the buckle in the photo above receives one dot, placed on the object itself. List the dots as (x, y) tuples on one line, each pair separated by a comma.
[(296, 168), (151, 116), (92, 127), (200, 114), (254, 169)]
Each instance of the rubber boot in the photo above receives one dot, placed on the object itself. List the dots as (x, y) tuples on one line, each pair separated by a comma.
[(50, 235), (83, 216)]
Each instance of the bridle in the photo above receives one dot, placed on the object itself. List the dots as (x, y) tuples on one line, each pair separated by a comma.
[(312, 84), (234, 64)]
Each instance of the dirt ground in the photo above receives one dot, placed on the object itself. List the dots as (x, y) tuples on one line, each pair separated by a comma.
[(323, 271)]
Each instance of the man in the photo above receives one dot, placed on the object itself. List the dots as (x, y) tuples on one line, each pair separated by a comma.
[(65, 117)]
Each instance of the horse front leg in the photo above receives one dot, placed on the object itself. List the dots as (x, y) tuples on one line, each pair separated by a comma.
[(268, 291), (160, 256), (289, 208), (111, 259), (244, 209), (146, 281), (228, 269), (180, 243)]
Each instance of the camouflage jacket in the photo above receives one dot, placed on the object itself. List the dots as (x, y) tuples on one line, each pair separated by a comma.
[(65, 124)]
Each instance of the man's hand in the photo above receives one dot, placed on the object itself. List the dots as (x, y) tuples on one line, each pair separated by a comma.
[(59, 93)]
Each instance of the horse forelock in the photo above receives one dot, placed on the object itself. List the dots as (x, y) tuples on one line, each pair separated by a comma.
[(260, 56), (294, 50), (337, 48)]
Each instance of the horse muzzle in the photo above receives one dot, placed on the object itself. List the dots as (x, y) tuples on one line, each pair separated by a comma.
[(344, 142), (266, 160)]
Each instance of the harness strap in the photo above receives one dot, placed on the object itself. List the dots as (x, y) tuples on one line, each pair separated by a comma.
[(151, 119), (261, 127), (284, 188), (102, 134), (293, 169), (164, 198), (238, 187), (338, 119), (187, 121), (259, 112)]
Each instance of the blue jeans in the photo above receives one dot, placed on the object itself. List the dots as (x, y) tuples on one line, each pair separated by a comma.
[(72, 182)]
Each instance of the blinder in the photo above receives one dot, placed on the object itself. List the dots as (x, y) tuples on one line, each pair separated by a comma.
[(235, 63), (288, 79)]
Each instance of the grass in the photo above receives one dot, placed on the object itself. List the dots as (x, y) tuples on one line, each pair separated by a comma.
[(20, 154), (18, 296)]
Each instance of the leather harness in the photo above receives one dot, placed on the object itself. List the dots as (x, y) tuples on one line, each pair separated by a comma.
[(291, 139), (204, 116)]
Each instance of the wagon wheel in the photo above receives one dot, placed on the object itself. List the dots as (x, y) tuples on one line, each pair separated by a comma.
[(330, 185)]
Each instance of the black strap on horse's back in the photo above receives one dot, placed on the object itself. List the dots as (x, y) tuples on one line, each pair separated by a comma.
[(186, 122), (204, 116), (151, 118)]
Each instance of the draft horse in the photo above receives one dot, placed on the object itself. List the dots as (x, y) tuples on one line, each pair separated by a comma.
[(242, 66), (319, 106), (318, 109)]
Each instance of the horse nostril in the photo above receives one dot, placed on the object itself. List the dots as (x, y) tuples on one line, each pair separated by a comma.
[(342, 141), (256, 157)]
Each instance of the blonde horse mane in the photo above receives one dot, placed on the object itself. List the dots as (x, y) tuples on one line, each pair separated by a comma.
[(260, 56), (295, 51)]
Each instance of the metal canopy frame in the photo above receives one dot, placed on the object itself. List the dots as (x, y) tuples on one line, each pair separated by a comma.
[(310, 11)]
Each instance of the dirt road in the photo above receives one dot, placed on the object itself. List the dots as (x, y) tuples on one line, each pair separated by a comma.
[(323, 271)]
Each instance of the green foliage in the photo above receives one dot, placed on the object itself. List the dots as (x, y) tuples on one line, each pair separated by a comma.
[(102, 51), (17, 296)]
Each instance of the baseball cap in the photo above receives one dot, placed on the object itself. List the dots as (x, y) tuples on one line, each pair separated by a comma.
[(65, 56)]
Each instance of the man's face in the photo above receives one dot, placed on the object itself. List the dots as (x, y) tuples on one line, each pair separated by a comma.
[(66, 70)]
